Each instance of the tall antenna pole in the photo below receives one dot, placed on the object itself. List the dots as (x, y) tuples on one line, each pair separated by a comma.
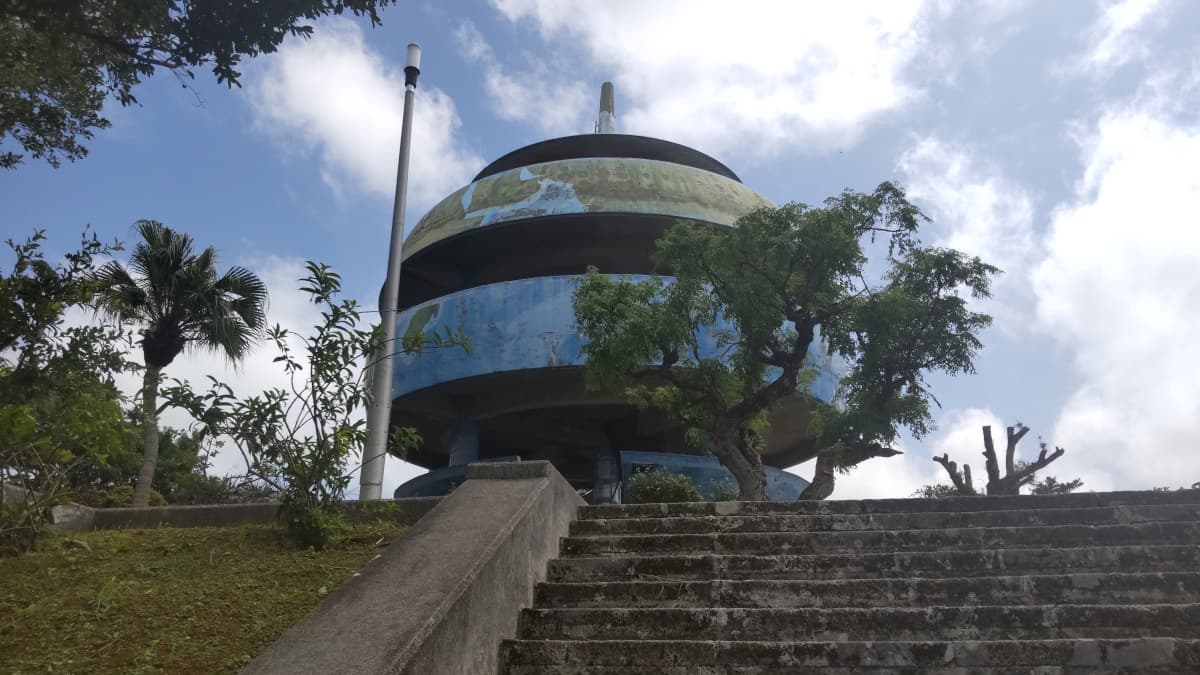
[(379, 413)]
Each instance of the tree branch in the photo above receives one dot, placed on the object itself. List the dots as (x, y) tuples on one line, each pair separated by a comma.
[(962, 481), (992, 464), (1015, 434), (1026, 473)]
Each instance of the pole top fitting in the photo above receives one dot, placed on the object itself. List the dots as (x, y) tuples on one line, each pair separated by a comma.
[(412, 67)]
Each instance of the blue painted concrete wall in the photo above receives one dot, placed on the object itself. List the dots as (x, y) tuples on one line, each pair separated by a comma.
[(516, 325)]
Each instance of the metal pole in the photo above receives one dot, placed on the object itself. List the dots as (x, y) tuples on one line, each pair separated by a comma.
[(380, 412)]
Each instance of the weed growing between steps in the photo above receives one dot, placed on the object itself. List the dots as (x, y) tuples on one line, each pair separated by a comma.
[(168, 600)]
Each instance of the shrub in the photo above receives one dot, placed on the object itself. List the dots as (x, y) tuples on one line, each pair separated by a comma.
[(123, 496), (20, 528), (658, 486), (313, 526), (725, 491)]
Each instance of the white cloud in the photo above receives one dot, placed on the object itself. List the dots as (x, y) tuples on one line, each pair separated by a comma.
[(880, 478), (964, 34), (334, 96), (977, 210), (534, 94), (960, 435), (1120, 291), (716, 75), (1117, 38)]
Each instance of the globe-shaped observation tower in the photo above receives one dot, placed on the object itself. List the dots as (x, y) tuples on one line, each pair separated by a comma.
[(498, 260)]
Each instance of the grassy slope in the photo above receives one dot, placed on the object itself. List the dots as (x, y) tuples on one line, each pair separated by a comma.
[(199, 600)]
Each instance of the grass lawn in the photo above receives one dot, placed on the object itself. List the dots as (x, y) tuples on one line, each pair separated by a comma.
[(201, 600)]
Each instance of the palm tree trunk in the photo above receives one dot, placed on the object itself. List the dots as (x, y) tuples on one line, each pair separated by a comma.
[(141, 492)]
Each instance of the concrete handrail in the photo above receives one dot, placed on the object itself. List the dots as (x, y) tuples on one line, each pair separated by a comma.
[(442, 598)]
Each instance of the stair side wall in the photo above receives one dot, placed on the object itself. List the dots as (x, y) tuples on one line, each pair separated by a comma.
[(442, 598)]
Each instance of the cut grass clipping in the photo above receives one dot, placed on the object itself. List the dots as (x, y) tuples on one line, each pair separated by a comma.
[(202, 600)]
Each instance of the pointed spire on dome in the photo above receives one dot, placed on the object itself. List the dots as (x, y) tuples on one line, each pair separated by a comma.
[(607, 124)]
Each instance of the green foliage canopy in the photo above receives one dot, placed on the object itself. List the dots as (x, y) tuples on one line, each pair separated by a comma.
[(60, 61), (300, 441), (788, 278), (62, 424)]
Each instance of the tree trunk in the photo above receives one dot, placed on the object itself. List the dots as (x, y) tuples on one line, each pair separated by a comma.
[(141, 492), (749, 473), (823, 480), (745, 465), (752, 487)]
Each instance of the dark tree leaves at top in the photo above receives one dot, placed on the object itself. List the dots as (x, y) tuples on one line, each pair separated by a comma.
[(60, 60)]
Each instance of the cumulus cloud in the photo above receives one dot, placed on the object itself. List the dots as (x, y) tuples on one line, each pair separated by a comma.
[(1119, 291), (960, 433), (886, 478), (881, 478), (334, 97), (976, 209), (712, 74), (1117, 37), (535, 94)]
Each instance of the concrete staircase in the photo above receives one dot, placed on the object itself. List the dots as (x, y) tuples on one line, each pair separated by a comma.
[(1087, 583)]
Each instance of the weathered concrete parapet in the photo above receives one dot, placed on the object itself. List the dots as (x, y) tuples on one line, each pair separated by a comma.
[(441, 599), (67, 517), (224, 515)]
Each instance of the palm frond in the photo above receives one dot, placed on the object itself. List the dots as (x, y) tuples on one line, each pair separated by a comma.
[(117, 294), (180, 297), (250, 298)]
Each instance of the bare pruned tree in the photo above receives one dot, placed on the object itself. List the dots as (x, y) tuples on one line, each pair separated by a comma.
[(1016, 473)]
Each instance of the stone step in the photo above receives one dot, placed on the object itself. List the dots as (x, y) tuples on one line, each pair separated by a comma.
[(773, 543), (986, 622), (832, 670), (945, 505), (791, 522), (696, 657), (1088, 588), (919, 564)]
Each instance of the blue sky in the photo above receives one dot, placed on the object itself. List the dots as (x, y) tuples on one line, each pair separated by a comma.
[(1058, 140)]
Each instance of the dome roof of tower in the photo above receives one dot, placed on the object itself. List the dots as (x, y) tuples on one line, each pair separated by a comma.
[(606, 145)]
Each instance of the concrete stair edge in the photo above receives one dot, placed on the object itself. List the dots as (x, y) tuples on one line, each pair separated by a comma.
[(847, 522), (905, 505), (1080, 588)]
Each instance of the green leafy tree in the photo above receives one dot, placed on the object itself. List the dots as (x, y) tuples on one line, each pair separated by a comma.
[(181, 476), (178, 299), (787, 279), (60, 61), (300, 440), (62, 424)]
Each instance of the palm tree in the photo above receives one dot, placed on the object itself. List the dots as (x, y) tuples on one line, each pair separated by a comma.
[(179, 300)]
